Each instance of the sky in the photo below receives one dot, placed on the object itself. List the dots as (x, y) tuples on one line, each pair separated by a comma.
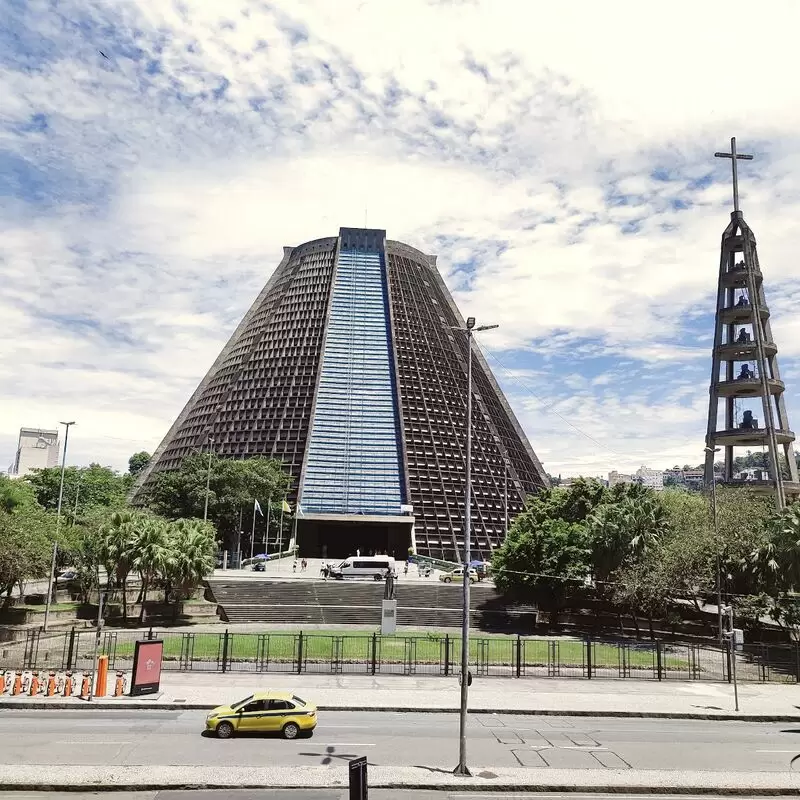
[(156, 156)]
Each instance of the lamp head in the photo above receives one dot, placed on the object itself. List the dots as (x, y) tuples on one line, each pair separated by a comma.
[(470, 323)]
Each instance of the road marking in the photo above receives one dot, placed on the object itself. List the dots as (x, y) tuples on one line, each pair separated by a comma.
[(346, 744), (777, 751)]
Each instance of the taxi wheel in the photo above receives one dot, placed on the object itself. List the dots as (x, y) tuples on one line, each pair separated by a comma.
[(377, 576), (448, 580), (291, 730), (224, 730)]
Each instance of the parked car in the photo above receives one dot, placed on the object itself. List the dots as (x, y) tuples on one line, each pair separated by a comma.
[(279, 712), (458, 575), (260, 566)]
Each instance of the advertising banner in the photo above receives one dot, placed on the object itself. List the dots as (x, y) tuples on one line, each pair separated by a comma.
[(147, 658)]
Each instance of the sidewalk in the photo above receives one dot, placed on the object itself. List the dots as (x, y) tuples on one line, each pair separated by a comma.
[(485, 779), (554, 696)]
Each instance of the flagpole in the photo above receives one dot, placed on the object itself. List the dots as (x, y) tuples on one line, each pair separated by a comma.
[(266, 535), (253, 530), (280, 548)]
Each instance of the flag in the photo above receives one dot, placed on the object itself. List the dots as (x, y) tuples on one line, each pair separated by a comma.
[(286, 507), (257, 507)]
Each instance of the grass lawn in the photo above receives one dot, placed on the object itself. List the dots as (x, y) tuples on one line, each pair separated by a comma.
[(420, 647)]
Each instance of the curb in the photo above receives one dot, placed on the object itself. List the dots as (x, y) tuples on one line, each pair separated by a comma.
[(83, 705), (493, 788)]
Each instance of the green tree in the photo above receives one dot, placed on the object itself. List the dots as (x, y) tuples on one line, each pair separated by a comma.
[(137, 462), (571, 504), (193, 547), (15, 494), (545, 561), (26, 537), (90, 486), (234, 485), (119, 539), (152, 555), (624, 529)]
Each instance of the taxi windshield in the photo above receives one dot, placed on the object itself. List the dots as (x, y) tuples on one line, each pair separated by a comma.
[(242, 702)]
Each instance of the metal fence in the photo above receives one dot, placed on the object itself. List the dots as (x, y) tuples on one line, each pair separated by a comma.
[(372, 654)]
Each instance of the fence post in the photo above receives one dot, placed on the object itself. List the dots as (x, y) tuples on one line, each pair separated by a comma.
[(589, 657), (659, 661), (300, 653), (446, 654), (225, 651), (71, 648), (374, 651), (518, 654), (797, 659), (150, 633)]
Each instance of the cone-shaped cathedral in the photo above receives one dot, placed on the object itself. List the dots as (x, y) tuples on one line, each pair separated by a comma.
[(348, 369)]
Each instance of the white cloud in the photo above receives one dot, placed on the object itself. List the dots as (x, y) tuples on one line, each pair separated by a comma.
[(167, 213)]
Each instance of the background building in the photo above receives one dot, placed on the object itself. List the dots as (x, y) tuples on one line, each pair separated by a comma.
[(653, 478), (36, 449), (347, 367)]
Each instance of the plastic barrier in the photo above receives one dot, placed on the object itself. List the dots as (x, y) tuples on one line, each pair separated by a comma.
[(33, 686), (102, 677), (16, 687), (86, 686), (52, 685), (120, 684)]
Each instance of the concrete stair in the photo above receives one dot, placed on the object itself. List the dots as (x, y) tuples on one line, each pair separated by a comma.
[(315, 602)]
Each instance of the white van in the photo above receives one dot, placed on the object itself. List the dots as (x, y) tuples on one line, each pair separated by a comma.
[(364, 567)]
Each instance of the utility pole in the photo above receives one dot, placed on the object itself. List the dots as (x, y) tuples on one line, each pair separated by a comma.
[(208, 477), (731, 636), (58, 527), (462, 768), (505, 501)]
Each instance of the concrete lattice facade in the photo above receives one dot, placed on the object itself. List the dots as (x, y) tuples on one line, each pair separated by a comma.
[(347, 368)]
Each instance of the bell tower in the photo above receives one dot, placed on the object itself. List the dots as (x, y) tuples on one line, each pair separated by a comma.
[(746, 409)]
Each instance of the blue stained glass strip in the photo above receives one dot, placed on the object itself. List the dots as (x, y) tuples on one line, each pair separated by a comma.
[(354, 463)]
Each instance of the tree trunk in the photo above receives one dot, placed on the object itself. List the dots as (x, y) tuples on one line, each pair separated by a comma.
[(636, 623), (143, 595), (125, 599), (650, 623)]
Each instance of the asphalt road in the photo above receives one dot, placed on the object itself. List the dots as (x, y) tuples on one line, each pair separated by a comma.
[(145, 737), (336, 794)]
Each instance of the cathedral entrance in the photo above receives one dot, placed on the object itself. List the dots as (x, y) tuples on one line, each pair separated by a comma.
[(348, 536)]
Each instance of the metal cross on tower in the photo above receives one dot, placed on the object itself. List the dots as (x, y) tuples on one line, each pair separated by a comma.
[(743, 341), (734, 156)]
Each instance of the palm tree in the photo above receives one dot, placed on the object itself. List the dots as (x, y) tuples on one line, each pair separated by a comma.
[(152, 555), (117, 547), (194, 550)]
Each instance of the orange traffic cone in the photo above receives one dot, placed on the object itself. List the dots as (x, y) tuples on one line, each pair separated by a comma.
[(34, 685), (3, 679), (119, 686), (86, 685), (52, 684), (68, 685), (17, 688)]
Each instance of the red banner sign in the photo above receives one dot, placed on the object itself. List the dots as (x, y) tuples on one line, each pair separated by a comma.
[(147, 660)]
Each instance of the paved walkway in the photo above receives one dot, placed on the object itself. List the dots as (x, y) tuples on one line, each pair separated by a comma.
[(483, 777), (674, 699)]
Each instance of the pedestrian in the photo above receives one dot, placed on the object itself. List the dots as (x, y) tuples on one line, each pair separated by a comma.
[(324, 571), (358, 552), (405, 569), (294, 567)]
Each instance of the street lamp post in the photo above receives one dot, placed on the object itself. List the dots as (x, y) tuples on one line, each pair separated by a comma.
[(208, 477), (58, 526), (716, 538), (462, 768)]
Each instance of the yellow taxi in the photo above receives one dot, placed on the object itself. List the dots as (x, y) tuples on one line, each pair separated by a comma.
[(281, 712)]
